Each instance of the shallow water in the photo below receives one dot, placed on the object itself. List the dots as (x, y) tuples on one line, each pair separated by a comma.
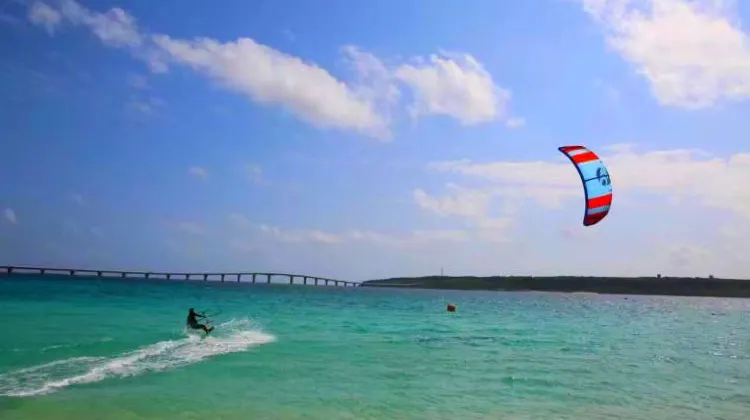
[(117, 349)]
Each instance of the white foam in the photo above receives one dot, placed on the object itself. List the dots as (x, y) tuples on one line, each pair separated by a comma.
[(230, 337)]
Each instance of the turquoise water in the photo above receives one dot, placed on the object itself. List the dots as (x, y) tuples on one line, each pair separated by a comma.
[(117, 349)]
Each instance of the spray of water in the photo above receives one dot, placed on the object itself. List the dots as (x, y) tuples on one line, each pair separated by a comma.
[(230, 337)]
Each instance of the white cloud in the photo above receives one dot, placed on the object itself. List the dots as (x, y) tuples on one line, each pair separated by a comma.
[(375, 81), (687, 185), (270, 76), (693, 53), (301, 235), (114, 27), (43, 15), (10, 215), (456, 85), (317, 236), (549, 184), (465, 203), (474, 207), (412, 239), (692, 174), (649, 233), (198, 172)]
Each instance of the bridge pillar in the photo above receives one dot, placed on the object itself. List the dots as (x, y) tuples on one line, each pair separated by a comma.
[(222, 278), (98, 273), (169, 276), (122, 274), (42, 271), (147, 275), (205, 277), (268, 278), (72, 272), (239, 277), (253, 278), (291, 279), (10, 270), (305, 280)]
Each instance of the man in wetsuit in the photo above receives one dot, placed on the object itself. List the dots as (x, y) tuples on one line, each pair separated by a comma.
[(192, 321)]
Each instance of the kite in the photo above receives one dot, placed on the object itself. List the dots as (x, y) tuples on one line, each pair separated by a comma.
[(597, 186)]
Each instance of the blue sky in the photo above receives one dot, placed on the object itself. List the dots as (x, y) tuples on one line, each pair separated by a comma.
[(360, 140)]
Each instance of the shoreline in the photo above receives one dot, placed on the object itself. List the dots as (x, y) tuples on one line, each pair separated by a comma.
[(645, 286), (663, 286)]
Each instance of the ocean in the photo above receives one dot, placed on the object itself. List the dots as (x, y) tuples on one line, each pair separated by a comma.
[(75, 348)]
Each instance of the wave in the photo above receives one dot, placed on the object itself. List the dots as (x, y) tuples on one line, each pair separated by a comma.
[(72, 345), (229, 337)]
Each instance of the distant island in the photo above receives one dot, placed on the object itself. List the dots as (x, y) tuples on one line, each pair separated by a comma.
[(669, 286)]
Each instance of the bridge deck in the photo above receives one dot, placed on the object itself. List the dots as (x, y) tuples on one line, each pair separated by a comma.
[(169, 275)]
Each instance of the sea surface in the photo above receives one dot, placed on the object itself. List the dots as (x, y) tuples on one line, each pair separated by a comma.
[(103, 349)]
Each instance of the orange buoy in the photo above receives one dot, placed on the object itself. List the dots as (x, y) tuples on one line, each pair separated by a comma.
[(451, 307)]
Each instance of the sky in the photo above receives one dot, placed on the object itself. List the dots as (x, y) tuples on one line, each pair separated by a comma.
[(361, 140)]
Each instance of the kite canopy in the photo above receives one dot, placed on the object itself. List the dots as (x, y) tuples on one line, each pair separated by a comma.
[(597, 185)]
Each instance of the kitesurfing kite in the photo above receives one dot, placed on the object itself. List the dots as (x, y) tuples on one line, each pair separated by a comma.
[(597, 186)]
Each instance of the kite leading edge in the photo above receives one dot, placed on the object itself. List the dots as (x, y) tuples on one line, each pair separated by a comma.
[(597, 185)]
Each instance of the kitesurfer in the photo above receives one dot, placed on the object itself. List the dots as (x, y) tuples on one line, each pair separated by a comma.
[(192, 321)]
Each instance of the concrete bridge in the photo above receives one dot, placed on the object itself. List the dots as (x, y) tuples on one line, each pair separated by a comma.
[(238, 277)]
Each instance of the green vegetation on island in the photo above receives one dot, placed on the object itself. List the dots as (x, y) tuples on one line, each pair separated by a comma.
[(670, 286)]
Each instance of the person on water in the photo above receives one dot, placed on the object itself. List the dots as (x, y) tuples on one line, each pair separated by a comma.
[(192, 321)]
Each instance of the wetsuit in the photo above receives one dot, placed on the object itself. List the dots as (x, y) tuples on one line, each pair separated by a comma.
[(192, 321)]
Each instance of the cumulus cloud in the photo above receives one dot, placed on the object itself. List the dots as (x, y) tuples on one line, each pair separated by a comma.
[(678, 212), (43, 15), (472, 206), (321, 237), (693, 174), (455, 85), (496, 202), (687, 185), (301, 235), (114, 28), (270, 76), (693, 53)]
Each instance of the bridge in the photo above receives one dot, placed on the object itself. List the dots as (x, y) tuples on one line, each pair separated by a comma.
[(237, 277)]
